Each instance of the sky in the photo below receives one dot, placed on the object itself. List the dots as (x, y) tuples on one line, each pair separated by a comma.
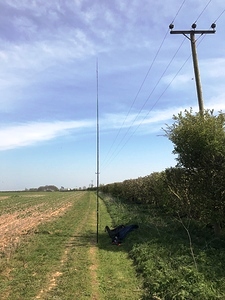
[(60, 60)]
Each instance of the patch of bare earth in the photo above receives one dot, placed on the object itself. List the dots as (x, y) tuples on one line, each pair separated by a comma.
[(3, 197), (93, 272), (14, 226)]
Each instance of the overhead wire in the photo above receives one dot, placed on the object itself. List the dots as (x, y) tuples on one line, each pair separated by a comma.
[(202, 11), (155, 103), (141, 109), (138, 92), (140, 88), (178, 70), (220, 15)]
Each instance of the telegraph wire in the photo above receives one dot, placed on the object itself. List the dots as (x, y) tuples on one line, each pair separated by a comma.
[(173, 77), (156, 102), (135, 98), (219, 16), (178, 11), (160, 78), (152, 106), (113, 156), (144, 118), (166, 88), (202, 11), (139, 90), (137, 94)]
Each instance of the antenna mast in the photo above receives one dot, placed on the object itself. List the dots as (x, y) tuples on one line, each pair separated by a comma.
[(97, 173)]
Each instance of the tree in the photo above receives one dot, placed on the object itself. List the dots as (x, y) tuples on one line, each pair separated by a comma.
[(199, 142)]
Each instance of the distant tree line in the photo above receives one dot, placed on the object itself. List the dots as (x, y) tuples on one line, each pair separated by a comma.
[(53, 188), (46, 188), (195, 187)]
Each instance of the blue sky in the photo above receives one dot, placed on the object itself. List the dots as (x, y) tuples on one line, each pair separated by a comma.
[(48, 54)]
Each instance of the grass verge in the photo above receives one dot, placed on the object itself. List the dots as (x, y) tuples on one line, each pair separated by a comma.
[(171, 266), (117, 276)]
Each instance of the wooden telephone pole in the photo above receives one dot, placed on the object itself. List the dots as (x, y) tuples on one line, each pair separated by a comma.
[(190, 34)]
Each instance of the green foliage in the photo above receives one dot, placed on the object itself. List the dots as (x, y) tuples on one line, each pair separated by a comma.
[(148, 189), (177, 254), (196, 186), (199, 142), (161, 251), (171, 275)]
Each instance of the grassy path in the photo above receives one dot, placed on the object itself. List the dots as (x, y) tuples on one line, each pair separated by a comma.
[(60, 259), (118, 279)]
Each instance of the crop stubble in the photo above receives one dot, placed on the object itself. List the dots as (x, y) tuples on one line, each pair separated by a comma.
[(14, 225)]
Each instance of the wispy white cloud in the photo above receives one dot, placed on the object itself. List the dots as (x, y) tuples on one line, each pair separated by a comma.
[(142, 120), (217, 102), (180, 81), (153, 121), (214, 68), (48, 72), (32, 133), (28, 134)]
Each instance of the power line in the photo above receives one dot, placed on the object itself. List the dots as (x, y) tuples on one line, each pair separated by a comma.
[(178, 11), (146, 101), (171, 80), (139, 90), (203, 11), (219, 16), (155, 103), (190, 34), (114, 154)]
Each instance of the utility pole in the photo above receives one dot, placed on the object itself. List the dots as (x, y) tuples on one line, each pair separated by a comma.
[(190, 34)]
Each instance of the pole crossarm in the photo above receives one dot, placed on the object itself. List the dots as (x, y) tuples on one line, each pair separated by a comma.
[(192, 31), (190, 34)]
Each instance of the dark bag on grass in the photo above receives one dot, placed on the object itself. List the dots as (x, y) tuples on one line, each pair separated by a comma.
[(120, 232), (113, 232)]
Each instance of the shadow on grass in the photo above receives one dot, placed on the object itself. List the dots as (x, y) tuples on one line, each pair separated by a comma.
[(162, 245), (105, 242)]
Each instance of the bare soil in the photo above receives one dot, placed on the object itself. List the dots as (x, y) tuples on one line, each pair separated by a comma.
[(13, 226)]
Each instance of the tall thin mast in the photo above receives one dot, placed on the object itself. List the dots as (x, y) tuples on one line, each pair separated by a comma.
[(97, 173)]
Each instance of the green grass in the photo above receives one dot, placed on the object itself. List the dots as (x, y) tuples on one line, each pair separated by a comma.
[(118, 279), (59, 259), (162, 254), (39, 255)]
